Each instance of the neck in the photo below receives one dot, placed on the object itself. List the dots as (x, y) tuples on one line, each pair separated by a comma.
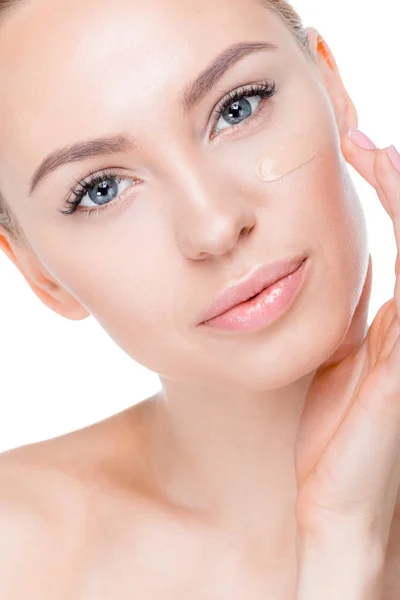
[(230, 455)]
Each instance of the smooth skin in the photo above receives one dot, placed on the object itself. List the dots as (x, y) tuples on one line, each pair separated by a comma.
[(191, 493)]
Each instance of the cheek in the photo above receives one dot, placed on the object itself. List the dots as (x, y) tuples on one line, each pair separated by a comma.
[(336, 226), (280, 159), (113, 269), (338, 214)]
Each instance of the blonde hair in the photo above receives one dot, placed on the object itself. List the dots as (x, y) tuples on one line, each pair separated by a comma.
[(285, 11), (282, 8)]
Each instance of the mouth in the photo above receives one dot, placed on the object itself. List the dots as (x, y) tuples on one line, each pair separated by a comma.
[(246, 289)]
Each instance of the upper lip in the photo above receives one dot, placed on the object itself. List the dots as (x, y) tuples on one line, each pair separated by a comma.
[(257, 280)]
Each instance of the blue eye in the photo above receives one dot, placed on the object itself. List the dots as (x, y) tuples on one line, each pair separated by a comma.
[(100, 188), (238, 111), (240, 104)]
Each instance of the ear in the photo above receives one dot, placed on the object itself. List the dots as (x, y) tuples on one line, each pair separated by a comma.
[(344, 109), (46, 288)]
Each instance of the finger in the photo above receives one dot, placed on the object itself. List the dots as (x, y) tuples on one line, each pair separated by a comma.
[(363, 161), (389, 179), (360, 158), (376, 167), (389, 182)]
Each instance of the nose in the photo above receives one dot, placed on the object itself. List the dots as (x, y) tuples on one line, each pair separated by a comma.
[(210, 220)]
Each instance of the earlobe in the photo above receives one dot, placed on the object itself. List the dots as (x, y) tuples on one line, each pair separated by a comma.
[(41, 282), (53, 295), (58, 300)]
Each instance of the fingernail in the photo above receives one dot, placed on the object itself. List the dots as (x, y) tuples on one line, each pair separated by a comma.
[(359, 138), (394, 157)]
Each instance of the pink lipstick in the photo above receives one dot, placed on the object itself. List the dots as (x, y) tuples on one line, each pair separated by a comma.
[(260, 300)]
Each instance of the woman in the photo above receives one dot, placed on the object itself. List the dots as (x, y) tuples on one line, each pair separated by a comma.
[(268, 466)]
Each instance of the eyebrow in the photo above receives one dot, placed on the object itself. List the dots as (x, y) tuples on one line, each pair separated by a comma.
[(193, 94)]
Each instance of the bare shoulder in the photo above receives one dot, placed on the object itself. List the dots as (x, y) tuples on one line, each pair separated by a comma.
[(57, 475), (35, 541), (53, 495)]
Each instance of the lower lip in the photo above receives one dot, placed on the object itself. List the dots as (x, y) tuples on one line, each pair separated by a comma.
[(264, 308)]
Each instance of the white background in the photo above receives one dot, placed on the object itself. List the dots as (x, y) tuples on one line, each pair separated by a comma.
[(59, 375)]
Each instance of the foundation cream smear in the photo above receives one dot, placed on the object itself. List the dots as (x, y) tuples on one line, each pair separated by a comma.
[(281, 158)]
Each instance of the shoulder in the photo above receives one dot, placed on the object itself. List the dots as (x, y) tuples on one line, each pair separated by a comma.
[(56, 496), (41, 517)]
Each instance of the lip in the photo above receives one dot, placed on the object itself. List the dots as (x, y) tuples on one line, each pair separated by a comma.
[(259, 279)]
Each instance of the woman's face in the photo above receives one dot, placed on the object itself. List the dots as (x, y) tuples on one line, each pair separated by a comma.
[(187, 212)]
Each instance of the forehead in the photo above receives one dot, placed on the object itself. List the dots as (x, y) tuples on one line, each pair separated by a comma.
[(72, 66)]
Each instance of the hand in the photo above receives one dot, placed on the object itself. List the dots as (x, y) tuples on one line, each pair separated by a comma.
[(347, 453)]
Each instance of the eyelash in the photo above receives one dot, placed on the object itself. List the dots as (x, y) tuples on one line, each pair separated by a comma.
[(266, 89)]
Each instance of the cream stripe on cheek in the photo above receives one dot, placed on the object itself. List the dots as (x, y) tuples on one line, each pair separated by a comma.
[(286, 156)]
